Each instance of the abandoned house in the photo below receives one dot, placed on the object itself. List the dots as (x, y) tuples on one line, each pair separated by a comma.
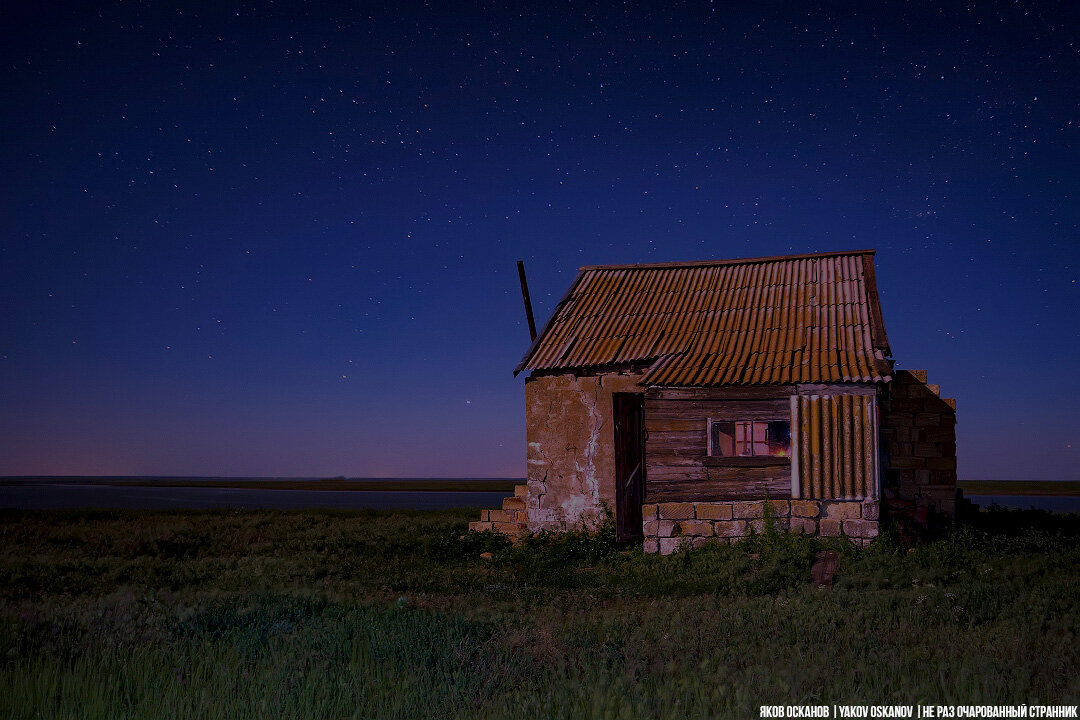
[(699, 400)]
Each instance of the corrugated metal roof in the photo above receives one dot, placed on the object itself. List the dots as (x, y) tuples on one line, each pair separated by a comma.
[(792, 319)]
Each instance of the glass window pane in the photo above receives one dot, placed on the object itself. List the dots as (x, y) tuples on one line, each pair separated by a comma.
[(779, 438), (723, 439)]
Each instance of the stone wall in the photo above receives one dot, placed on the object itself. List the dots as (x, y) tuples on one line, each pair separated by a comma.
[(918, 429), (571, 448), (669, 526)]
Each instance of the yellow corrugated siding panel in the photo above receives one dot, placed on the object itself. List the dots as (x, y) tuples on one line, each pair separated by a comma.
[(836, 446), (759, 322)]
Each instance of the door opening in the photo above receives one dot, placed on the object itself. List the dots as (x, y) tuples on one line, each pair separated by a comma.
[(628, 410)]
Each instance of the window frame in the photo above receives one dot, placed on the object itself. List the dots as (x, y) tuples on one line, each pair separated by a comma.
[(713, 459)]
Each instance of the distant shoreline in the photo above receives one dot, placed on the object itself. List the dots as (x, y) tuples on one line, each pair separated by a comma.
[(970, 487), (260, 483), (1020, 487)]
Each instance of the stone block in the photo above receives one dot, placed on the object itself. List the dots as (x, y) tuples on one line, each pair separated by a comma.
[(927, 419), (484, 515), (652, 545), (713, 511), (805, 508), (507, 528), (746, 510), (943, 477), (729, 528), (861, 528), (922, 476), (803, 525), (938, 434), (521, 491), (923, 391), (702, 528), (676, 511), (903, 434), (513, 503), (780, 508), (905, 405), (842, 510), (648, 512), (941, 463), (670, 545), (951, 402), (871, 510), (521, 516), (899, 419), (697, 542), (480, 526), (906, 462), (666, 528), (650, 528), (501, 516), (909, 377), (927, 450), (829, 528)]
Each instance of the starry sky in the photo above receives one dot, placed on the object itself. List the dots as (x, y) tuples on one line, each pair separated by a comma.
[(279, 238)]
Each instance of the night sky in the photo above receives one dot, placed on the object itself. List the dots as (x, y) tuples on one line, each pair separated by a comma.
[(279, 239)]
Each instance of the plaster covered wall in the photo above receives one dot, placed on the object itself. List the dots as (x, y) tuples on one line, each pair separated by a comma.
[(571, 448)]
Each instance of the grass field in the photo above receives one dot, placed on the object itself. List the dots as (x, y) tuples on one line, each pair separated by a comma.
[(396, 615)]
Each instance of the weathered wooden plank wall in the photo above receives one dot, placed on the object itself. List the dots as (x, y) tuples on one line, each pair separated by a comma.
[(676, 453)]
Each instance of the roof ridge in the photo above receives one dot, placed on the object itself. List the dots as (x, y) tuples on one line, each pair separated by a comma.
[(730, 261)]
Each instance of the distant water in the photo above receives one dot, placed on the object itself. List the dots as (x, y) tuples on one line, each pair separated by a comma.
[(1055, 503), (59, 495)]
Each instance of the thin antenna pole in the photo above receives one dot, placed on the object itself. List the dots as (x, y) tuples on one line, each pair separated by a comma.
[(525, 297)]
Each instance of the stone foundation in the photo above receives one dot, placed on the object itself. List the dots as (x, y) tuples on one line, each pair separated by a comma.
[(669, 526)]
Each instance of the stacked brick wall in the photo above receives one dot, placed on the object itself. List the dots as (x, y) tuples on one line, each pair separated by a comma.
[(918, 429), (669, 526)]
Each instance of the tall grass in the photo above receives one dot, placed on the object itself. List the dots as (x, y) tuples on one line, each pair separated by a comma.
[(397, 615)]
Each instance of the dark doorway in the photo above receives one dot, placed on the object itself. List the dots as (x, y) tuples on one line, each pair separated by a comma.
[(629, 413)]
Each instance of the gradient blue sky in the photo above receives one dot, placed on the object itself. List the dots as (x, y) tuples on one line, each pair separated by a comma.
[(279, 239)]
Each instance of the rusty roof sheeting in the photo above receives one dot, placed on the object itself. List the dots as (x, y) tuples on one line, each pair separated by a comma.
[(792, 319)]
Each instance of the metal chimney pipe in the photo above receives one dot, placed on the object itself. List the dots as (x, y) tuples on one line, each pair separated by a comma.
[(525, 297)]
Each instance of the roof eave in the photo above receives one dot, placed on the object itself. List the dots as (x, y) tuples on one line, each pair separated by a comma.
[(547, 326)]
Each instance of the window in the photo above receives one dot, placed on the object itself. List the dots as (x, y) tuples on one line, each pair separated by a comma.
[(749, 438)]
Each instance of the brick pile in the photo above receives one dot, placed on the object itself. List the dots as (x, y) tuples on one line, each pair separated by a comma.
[(512, 519)]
